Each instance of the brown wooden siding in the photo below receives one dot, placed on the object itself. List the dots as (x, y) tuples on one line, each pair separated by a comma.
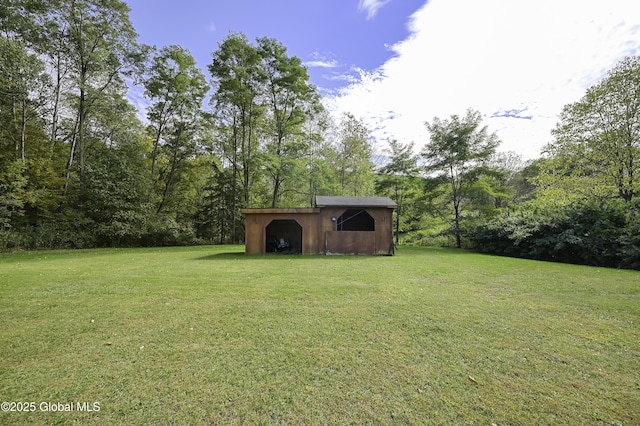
[(351, 242), (319, 231)]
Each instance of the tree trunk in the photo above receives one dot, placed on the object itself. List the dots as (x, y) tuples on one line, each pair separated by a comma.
[(23, 131), (457, 227), (56, 99), (234, 186), (276, 189)]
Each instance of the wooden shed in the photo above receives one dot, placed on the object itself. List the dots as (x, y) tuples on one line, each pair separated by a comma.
[(336, 225)]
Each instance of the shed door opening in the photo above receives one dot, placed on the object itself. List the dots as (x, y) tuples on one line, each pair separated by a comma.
[(356, 220), (284, 236)]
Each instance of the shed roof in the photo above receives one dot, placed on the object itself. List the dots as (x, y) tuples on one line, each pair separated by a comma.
[(280, 211), (327, 201)]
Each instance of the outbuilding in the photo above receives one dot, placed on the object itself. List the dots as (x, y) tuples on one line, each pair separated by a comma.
[(336, 225)]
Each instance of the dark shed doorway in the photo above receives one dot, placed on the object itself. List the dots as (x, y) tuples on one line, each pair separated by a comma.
[(356, 220), (284, 236)]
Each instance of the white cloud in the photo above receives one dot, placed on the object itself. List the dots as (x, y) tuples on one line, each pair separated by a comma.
[(322, 60), (371, 7), (341, 76), (332, 63), (212, 27), (135, 95), (518, 63)]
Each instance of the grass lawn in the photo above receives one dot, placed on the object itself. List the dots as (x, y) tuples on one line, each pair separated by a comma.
[(206, 335)]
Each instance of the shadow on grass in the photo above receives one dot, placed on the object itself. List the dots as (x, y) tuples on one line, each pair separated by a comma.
[(403, 251), (224, 256), (242, 256), (274, 256)]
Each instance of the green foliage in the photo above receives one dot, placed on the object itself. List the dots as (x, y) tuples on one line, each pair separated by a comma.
[(596, 151), (459, 150), (176, 88), (67, 228), (398, 179), (164, 230), (597, 232), (117, 202), (12, 191), (584, 210), (237, 112), (216, 219), (353, 158), (289, 101), (77, 168)]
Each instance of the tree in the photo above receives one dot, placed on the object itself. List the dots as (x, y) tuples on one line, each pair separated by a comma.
[(596, 151), (176, 88), (320, 157), (459, 148), (12, 185), (22, 85), (238, 79), (397, 176), (101, 47), (23, 92), (238, 84), (289, 101), (353, 162), (117, 201)]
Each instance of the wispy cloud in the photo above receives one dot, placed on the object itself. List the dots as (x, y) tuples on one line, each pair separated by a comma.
[(371, 7), (338, 76), (136, 97), (212, 27), (518, 63), (322, 60), (331, 63)]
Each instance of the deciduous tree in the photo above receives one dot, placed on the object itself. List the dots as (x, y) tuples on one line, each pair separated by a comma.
[(596, 151), (176, 88), (398, 176), (289, 101), (353, 162), (458, 149)]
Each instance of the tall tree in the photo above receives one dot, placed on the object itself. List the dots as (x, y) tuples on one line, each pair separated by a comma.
[(23, 84), (238, 78), (319, 159), (176, 88), (397, 177), (101, 46), (118, 185), (289, 101), (459, 148), (596, 150), (353, 161)]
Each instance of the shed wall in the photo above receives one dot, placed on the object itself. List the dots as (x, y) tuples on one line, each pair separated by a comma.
[(381, 242), (257, 221), (319, 231)]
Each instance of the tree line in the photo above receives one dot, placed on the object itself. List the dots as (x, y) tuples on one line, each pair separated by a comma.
[(80, 168)]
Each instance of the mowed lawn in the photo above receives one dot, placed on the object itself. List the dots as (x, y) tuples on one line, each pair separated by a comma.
[(206, 335)]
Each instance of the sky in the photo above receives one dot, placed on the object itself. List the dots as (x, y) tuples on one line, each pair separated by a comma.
[(396, 64)]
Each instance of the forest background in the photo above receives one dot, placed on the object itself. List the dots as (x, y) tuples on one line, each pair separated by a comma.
[(79, 168)]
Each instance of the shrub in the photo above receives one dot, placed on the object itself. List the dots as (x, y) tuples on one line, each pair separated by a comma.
[(598, 233)]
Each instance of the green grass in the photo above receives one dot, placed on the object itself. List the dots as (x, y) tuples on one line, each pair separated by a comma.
[(206, 335)]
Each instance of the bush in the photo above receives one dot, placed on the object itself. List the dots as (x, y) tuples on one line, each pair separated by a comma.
[(165, 231), (66, 230), (598, 233)]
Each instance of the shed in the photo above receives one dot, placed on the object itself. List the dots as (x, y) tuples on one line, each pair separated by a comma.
[(336, 225)]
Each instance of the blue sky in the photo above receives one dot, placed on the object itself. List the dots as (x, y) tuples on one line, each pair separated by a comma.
[(332, 37), (398, 63)]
